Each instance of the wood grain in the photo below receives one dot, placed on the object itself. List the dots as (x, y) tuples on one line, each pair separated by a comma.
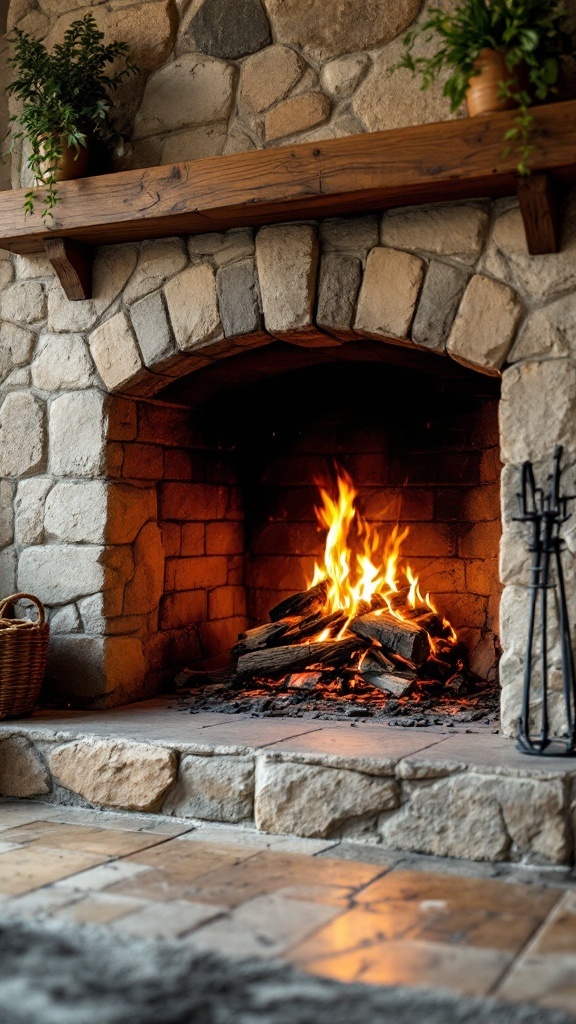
[(538, 198), (423, 164), (72, 262)]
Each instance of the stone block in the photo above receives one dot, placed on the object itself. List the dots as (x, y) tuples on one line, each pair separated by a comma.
[(548, 331), (66, 619), (268, 77), (61, 573), (196, 573), (131, 776), (545, 394), (224, 538), (23, 772), (22, 435), (129, 508), (79, 415), (443, 289), (192, 538), (238, 300), (338, 286), (349, 234), (193, 502), (76, 512), (309, 800), (157, 261), (6, 272), (497, 308), (24, 302), (29, 509), (115, 352), (226, 602), (144, 591), (287, 262), (194, 143), (349, 28), (8, 564), (16, 345), (180, 611), (389, 293), (192, 90), (217, 788), (62, 361), (193, 308), (478, 817), (7, 490), (341, 77), (228, 29), (458, 231), (296, 114), (153, 331)]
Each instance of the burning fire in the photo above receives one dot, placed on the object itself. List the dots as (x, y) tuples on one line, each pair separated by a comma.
[(361, 566)]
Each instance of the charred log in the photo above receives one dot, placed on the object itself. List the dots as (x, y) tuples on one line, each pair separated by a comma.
[(403, 638), (306, 603)]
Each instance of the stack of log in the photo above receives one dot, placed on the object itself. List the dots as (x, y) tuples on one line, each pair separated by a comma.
[(390, 653)]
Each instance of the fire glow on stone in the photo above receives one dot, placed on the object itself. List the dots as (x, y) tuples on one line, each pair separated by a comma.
[(362, 567)]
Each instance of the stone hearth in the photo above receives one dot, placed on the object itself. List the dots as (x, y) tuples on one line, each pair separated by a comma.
[(451, 793)]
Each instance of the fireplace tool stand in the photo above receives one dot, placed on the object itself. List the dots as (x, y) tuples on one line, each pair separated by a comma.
[(546, 511)]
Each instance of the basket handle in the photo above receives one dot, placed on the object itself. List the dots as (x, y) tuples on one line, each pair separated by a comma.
[(24, 597)]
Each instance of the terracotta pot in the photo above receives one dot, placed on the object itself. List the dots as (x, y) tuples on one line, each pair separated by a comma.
[(73, 164), (482, 96)]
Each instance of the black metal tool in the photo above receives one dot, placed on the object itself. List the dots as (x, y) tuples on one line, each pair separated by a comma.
[(546, 511)]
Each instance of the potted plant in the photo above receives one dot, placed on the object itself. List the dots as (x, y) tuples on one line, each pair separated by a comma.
[(65, 102), (499, 54)]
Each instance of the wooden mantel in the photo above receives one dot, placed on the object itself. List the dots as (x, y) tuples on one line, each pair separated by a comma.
[(431, 163)]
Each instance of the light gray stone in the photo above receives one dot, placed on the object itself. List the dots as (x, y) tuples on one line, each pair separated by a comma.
[(340, 77), (548, 331), (22, 449), (193, 308), (192, 90), (60, 573), (6, 272), (91, 611), (113, 267), (477, 817), (62, 361), (17, 380), (389, 293), (287, 262), (216, 788), (441, 294), (29, 509), (458, 231), (238, 300), (30, 267), (485, 325), (16, 345), (222, 246), (65, 620), (338, 287), (24, 302), (76, 512), (309, 800), (23, 773), (268, 77), (350, 234), (8, 567), (115, 352), (153, 331), (133, 776), (78, 416), (6, 513), (545, 392), (328, 31), (65, 317), (157, 261)]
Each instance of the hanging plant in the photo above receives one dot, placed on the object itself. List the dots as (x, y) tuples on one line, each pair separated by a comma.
[(66, 102)]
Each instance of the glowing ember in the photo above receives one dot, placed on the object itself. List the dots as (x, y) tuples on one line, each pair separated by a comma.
[(362, 567)]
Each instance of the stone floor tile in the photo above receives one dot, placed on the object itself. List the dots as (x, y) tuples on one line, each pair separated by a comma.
[(465, 893), (262, 927), (357, 748), (87, 839), (194, 859), (490, 751), (103, 877), (466, 971), (21, 812), (545, 980), (158, 885), (41, 901), (251, 733), (97, 909), (365, 853), (165, 920), (154, 823), (29, 868), (558, 935), (258, 840)]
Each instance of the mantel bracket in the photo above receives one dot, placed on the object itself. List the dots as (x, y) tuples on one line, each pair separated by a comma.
[(538, 198), (72, 262)]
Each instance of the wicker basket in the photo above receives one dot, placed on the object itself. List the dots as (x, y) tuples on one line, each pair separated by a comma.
[(23, 656)]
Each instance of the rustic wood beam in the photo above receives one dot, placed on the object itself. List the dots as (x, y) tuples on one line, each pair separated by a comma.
[(538, 198), (429, 163), (72, 262)]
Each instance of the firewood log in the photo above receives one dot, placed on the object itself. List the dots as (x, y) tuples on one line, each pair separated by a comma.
[(402, 638), (305, 603)]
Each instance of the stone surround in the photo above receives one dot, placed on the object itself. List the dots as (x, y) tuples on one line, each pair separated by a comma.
[(467, 795)]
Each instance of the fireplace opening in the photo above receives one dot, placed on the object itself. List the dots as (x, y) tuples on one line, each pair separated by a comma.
[(406, 445)]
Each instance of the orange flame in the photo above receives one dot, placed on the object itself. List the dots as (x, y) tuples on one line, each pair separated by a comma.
[(359, 563)]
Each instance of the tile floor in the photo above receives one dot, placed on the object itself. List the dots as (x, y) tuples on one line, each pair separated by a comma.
[(333, 909)]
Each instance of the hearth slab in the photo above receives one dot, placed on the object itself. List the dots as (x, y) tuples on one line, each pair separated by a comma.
[(448, 792)]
